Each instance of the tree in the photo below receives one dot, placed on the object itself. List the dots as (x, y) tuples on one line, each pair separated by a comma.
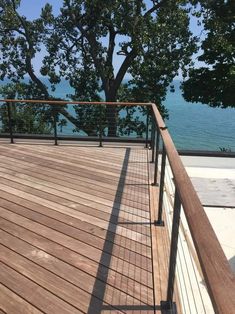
[(83, 42), (25, 118), (214, 83), (20, 41), (154, 43)]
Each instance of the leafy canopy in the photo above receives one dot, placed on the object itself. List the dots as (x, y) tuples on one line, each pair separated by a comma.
[(152, 44), (151, 39), (214, 83)]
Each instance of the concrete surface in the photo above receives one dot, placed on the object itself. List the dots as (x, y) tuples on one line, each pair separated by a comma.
[(214, 180)]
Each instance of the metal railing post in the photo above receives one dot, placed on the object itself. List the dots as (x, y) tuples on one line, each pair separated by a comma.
[(173, 252), (147, 129), (100, 127), (159, 221), (156, 157), (10, 122), (54, 112), (153, 135)]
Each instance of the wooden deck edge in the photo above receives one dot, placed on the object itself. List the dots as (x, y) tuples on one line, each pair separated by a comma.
[(160, 239)]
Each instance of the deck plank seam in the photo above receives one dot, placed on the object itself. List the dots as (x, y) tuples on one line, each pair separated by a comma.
[(69, 218), (102, 180), (54, 274), (63, 184), (103, 265), (34, 306), (76, 167), (6, 175), (44, 288), (73, 237), (98, 214), (131, 295)]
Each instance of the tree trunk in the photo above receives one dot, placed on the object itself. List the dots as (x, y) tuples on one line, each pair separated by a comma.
[(111, 116)]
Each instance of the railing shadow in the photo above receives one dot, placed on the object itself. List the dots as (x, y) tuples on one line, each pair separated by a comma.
[(96, 306), (108, 243)]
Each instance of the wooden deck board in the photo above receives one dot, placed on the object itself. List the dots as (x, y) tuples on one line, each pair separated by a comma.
[(75, 228), (12, 303), (52, 168)]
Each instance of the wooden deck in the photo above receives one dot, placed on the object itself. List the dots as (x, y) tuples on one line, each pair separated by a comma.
[(75, 230)]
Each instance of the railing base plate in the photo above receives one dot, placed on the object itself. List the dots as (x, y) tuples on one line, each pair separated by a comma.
[(159, 223), (168, 307)]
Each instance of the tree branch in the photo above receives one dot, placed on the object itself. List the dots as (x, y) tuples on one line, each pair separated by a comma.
[(34, 78), (155, 7), (131, 55), (92, 42), (12, 30), (29, 67), (23, 24), (109, 59), (28, 55), (94, 48), (123, 69), (112, 35)]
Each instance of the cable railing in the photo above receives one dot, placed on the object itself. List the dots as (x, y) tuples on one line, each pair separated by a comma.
[(208, 261), (205, 281), (190, 279), (61, 120)]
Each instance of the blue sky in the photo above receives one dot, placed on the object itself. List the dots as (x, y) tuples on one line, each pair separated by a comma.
[(31, 9)]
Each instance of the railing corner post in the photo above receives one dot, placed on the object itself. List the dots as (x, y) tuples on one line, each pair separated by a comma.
[(159, 221)]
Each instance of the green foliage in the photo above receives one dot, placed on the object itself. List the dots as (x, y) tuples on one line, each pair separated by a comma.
[(153, 42), (225, 149), (20, 40), (214, 84), (158, 63), (89, 118), (131, 123), (81, 43), (25, 117)]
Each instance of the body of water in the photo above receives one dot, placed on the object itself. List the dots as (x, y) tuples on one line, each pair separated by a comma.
[(192, 126), (198, 126)]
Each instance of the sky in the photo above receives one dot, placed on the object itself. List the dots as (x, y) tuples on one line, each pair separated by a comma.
[(32, 8)]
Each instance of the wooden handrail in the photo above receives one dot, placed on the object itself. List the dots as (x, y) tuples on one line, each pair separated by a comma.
[(63, 102), (219, 277)]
